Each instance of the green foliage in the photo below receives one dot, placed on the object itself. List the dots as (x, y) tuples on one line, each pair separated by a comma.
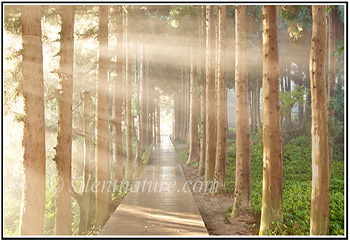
[(289, 99), (184, 157), (297, 177)]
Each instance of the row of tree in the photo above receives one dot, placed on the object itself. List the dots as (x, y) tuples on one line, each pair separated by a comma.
[(147, 106), (209, 81)]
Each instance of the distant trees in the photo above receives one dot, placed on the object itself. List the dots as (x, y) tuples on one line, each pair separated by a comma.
[(34, 160), (63, 148), (319, 216), (272, 174)]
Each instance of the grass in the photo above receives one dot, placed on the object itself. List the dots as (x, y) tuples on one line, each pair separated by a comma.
[(297, 177)]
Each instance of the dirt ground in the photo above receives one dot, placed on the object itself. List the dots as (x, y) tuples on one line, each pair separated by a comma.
[(213, 208)]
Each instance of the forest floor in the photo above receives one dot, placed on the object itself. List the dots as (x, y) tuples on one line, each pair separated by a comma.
[(213, 208)]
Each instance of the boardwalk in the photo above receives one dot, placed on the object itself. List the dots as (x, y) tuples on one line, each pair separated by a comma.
[(162, 204)]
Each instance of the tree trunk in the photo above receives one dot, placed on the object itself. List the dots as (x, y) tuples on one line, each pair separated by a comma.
[(158, 118), (102, 137), (220, 163), (63, 158), (331, 79), (201, 168), (128, 172), (272, 173), (183, 105), (154, 110), (117, 109), (242, 199), (210, 97), (148, 100), (258, 103), (252, 111), (288, 121), (319, 128), (34, 160), (84, 207), (193, 128), (143, 114)]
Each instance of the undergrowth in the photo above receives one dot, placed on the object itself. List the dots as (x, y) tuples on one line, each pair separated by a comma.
[(297, 177)]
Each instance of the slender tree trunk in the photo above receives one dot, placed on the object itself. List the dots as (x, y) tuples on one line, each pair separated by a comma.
[(63, 158), (252, 111), (272, 173), (193, 127), (158, 118), (117, 109), (143, 114), (242, 199), (102, 147), (210, 97), (154, 110), (33, 193), (148, 99), (220, 163), (319, 128), (183, 105), (331, 79), (288, 122), (258, 103), (201, 168), (84, 207), (128, 173)]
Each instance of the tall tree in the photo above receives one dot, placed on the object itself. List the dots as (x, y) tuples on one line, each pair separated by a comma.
[(331, 78), (201, 168), (102, 147), (319, 126), (128, 170), (272, 173), (221, 116), (34, 160), (210, 97), (143, 91), (84, 207), (242, 199), (63, 159), (193, 129), (117, 105), (157, 111)]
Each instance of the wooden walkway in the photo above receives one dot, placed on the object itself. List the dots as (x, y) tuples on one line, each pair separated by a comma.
[(161, 203)]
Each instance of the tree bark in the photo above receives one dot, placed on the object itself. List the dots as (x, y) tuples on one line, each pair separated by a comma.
[(221, 116), (272, 173), (193, 127), (84, 207), (102, 137), (128, 170), (201, 168), (210, 98), (158, 118), (331, 79), (319, 127), (117, 108), (241, 204), (34, 160), (63, 158), (143, 114)]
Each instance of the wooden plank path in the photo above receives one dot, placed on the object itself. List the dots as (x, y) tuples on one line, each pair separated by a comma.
[(161, 203)]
